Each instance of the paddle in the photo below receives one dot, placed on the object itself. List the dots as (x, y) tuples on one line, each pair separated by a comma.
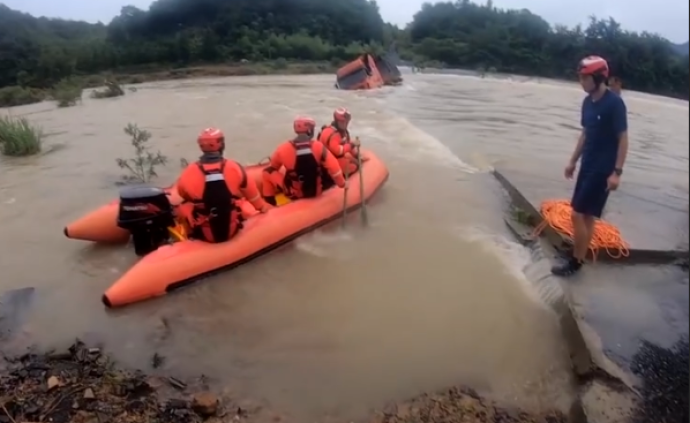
[(363, 209), (345, 198)]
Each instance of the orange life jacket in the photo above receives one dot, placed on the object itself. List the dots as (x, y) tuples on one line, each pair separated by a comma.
[(344, 137), (306, 178), (216, 215)]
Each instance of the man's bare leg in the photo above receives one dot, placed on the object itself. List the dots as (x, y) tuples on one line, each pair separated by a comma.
[(582, 234), (584, 231)]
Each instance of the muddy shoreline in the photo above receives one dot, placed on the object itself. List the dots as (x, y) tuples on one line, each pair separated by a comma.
[(131, 76), (84, 385), (135, 75)]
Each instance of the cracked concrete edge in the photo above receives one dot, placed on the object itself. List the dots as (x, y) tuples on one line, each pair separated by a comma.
[(605, 392), (600, 361), (599, 403)]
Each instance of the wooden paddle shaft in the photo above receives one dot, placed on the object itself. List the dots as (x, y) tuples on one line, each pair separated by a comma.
[(345, 199), (360, 168)]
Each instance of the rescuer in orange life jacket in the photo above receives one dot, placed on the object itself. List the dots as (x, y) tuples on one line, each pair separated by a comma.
[(337, 139), (213, 185), (309, 166)]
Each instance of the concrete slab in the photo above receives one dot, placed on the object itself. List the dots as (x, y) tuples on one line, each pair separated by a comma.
[(626, 326), (634, 320), (655, 226)]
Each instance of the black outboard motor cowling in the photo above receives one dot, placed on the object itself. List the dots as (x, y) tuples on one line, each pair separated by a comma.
[(146, 213)]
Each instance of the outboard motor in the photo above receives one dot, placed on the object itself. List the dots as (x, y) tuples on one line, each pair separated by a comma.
[(146, 213)]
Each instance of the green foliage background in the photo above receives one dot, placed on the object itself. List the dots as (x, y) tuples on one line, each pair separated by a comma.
[(39, 52)]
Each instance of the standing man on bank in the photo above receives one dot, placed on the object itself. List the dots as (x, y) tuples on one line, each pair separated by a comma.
[(602, 148)]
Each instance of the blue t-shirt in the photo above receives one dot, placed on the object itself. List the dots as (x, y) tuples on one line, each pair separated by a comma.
[(603, 121)]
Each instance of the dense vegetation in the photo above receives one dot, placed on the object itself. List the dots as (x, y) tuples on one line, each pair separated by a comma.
[(518, 41), (682, 49), (39, 52)]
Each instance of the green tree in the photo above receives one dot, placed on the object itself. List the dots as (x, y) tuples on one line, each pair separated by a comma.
[(469, 35), (39, 52)]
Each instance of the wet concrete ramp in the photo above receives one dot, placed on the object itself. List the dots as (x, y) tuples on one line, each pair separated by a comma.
[(632, 319), (623, 308), (654, 224), (634, 322), (627, 331)]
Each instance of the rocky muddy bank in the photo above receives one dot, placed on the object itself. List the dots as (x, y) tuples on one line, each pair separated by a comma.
[(83, 385)]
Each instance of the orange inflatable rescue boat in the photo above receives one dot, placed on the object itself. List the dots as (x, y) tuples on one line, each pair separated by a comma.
[(100, 225), (368, 72), (169, 266)]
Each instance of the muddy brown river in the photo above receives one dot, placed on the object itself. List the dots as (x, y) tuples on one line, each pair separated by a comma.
[(434, 293)]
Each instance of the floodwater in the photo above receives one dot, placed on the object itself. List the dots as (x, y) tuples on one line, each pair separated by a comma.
[(432, 294)]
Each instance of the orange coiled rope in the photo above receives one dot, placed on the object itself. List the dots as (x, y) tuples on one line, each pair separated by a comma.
[(557, 214)]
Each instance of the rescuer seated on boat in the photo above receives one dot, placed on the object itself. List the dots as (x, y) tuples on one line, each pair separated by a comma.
[(309, 166), (336, 138), (212, 186)]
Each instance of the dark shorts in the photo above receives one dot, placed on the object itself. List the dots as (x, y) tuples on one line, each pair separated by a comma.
[(590, 195)]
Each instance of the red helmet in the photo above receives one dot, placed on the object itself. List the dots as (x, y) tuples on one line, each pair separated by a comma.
[(593, 65), (341, 114), (304, 125), (211, 140)]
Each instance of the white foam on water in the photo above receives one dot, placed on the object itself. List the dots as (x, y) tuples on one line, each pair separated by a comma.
[(481, 162), (321, 243), (521, 262), (412, 144)]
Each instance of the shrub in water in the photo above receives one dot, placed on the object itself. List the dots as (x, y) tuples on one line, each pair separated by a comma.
[(18, 96), (67, 93), (18, 137), (142, 167)]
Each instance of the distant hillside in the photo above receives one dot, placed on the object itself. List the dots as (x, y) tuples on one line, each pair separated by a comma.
[(683, 49), (40, 52)]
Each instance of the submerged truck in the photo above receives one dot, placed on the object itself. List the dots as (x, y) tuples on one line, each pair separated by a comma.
[(367, 72)]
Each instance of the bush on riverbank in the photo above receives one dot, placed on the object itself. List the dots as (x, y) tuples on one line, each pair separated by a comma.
[(14, 96), (142, 167), (67, 93), (273, 67), (18, 137)]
